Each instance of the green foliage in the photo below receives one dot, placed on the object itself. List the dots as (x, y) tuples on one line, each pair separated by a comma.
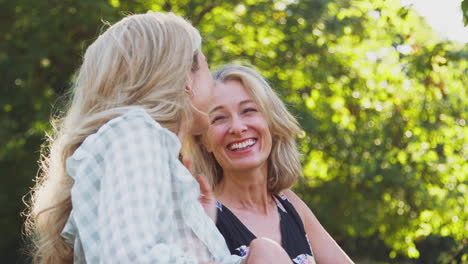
[(382, 101)]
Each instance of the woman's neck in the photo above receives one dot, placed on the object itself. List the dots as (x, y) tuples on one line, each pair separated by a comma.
[(181, 136), (245, 190), (181, 131)]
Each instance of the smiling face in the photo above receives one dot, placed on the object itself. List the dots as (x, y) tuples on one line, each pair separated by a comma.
[(238, 134)]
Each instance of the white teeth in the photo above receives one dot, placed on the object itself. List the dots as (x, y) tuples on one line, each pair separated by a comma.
[(242, 145)]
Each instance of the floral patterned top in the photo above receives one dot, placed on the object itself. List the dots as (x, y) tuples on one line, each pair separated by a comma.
[(294, 237)]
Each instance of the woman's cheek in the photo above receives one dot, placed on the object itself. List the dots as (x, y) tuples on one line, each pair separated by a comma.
[(215, 135)]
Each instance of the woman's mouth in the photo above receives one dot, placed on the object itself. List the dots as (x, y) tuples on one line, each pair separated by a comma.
[(242, 144)]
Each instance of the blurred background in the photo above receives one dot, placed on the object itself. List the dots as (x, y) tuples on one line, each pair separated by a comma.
[(379, 87)]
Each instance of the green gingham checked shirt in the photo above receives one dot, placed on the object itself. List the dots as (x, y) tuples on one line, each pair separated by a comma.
[(134, 202)]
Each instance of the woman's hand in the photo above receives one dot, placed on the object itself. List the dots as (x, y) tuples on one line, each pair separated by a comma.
[(207, 197)]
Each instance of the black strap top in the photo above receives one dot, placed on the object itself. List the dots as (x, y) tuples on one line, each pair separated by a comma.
[(293, 235)]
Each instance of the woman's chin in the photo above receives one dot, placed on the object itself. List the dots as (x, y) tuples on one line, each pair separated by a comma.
[(199, 126), (246, 165), (197, 132)]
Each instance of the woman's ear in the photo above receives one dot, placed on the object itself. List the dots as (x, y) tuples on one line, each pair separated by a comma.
[(188, 86), (188, 90)]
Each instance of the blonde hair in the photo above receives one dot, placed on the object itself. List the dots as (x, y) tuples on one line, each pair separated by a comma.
[(143, 60), (284, 166)]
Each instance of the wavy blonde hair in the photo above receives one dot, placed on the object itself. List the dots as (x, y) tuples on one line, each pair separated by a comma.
[(284, 166), (143, 60)]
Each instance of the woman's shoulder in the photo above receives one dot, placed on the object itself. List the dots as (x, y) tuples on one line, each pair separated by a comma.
[(136, 119), (136, 122), (299, 205), (134, 127)]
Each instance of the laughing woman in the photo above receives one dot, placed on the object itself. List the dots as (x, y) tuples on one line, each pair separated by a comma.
[(249, 155)]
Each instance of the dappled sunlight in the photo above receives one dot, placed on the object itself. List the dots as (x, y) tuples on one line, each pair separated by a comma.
[(380, 96)]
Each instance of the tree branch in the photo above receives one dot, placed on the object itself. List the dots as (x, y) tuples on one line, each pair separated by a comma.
[(196, 20), (167, 6)]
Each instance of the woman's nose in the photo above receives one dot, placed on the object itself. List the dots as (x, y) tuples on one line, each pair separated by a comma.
[(237, 126)]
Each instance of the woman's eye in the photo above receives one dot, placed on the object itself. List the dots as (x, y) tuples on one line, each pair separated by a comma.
[(216, 118), (247, 110)]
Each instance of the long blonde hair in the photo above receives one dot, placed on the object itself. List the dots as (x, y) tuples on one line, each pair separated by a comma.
[(143, 60), (284, 166)]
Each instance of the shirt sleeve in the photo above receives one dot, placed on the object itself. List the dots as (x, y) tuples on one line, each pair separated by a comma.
[(133, 217)]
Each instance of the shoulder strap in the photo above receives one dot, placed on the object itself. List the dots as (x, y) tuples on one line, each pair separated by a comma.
[(281, 197)]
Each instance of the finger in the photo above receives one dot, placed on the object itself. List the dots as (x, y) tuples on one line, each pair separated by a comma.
[(205, 187)]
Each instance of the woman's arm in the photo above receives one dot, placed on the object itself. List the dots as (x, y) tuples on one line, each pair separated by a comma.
[(264, 251), (326, 250)]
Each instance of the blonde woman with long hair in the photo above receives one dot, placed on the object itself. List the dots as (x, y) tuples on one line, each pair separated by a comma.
[(250, 157), (111, 187)]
